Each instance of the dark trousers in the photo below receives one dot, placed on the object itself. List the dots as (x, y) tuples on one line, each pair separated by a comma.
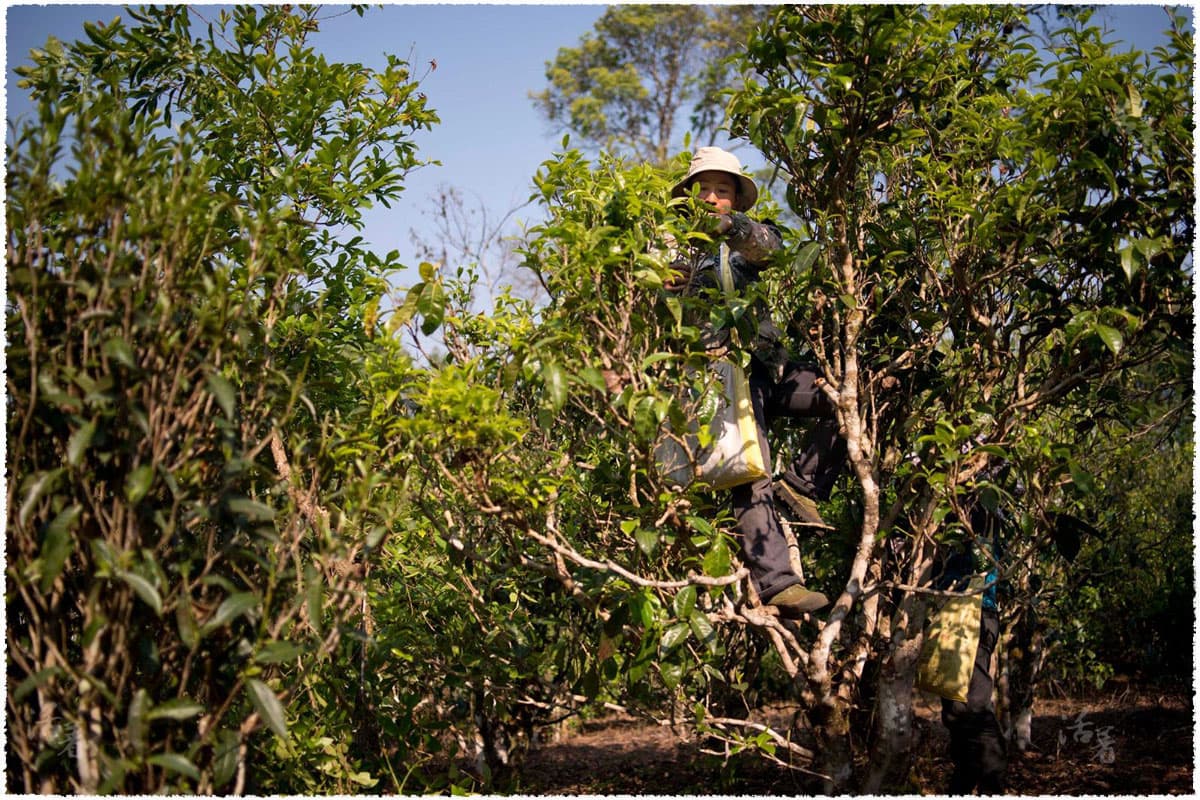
[(794, 395), (976, 744)]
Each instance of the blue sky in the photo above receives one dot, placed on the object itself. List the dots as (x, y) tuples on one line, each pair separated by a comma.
[(490, 140), (489, 57)]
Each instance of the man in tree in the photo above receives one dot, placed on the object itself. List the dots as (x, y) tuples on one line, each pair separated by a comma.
[(779, 387)]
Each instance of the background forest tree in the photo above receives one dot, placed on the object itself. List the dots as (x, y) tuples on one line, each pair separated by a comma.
[(624, 88), (338, 569)]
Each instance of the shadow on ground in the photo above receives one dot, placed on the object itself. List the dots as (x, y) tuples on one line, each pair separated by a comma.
[(1132, 744)]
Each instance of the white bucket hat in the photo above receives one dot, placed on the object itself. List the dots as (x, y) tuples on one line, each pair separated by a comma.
[(718, 160)]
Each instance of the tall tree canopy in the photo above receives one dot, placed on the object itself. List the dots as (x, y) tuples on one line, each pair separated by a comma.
[(625, 85), (1005, 230)]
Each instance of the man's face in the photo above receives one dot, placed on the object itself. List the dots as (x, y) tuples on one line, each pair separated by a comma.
[(718, 189)]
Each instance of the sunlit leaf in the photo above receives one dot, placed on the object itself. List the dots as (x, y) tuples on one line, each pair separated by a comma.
[(231, 607), (673, 637), (42, 483), (555, 381), (805, 258), (119, 350), (685, 601), (1111, 337), (176, 709), (672, 674), (268, 706), (138, 483), (136, 721), (80, 441)]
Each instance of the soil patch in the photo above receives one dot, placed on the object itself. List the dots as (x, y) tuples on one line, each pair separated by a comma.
[(1131, 743)]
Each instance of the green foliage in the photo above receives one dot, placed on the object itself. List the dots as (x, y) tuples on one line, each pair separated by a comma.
[(1004, 234), (253, 545), (186, 334), (522, 459), (940, 254), (964, 227), (1135, 578)]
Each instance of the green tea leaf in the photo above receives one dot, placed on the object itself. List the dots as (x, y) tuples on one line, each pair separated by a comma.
[(225, 757), (313, 597), (80, 441), (555, 381), (119, 350), (58, 545), (259, 512), (1082, 479), (278, 652), (268, 706), (363, 779), (175, 763), (1111, 337), (185, 620), (702, 627), (654, 358), (647, 540), (685, 601), (40, 484), (592, 377), (223, 391), (231, 607), (136, 722), (672, 674), (717, 561), (805, 258), (143, 589), (37, 679), (178, 709), (138, 483), (673, 637)]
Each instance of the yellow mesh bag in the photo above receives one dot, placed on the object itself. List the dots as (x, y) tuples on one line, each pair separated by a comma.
[(948, 655)]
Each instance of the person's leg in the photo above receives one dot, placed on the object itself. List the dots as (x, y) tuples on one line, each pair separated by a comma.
[(990, 748), (821, 458), (957, 720), (993, 756), (764, 546), (822, 453), (976, 743)]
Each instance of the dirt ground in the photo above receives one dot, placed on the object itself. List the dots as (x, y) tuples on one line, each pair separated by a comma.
[(1130, 742)]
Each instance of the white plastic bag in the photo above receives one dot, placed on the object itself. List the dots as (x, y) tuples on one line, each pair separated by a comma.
[(735, 454)]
